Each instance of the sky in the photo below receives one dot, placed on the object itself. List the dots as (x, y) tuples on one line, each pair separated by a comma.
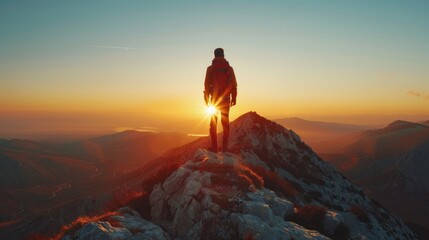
[(313, 59)]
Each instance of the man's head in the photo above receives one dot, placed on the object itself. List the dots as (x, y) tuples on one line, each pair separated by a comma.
[(218, 52)]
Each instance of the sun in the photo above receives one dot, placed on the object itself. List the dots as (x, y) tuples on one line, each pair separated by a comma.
[(211, 110)]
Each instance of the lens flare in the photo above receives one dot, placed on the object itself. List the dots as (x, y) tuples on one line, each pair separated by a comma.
[(211, 110)]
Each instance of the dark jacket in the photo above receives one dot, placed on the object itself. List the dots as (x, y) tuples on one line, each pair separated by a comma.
[(220, 82)]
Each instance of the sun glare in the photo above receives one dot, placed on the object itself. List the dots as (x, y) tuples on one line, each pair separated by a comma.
[(211, 110)]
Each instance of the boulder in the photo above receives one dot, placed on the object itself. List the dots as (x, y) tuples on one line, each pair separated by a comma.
[(282, 207), (252, 227), (101, 231), (258, 209), (331, 221), (141, 228)]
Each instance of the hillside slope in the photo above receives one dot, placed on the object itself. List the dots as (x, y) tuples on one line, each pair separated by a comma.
[(269, 186), (392, 165), (44, 185), (324, 137)]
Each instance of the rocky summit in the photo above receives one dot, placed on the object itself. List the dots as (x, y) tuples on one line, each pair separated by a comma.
[(270, 185)]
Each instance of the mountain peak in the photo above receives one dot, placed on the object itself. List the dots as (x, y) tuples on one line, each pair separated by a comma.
[(400, 124), (250, 118), (252, 131), (265, 188), (123, 136)]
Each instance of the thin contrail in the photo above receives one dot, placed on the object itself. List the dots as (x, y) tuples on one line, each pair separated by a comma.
[(111, 47)]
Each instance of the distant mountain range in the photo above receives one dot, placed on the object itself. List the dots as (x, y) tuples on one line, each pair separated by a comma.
[(65, 180), (426, 123), (391, 163), (324, 137), (269, 185), (124, 151), (26, 163), (36, 177)]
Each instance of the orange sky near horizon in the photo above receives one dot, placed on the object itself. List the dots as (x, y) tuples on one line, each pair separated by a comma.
[(188, 103), (305, 59)]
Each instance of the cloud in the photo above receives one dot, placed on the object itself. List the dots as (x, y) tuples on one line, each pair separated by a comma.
[(414, 93), (418, 94)]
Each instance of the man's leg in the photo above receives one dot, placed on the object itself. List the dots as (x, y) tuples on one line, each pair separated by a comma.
[(213, 135), (224, 111)]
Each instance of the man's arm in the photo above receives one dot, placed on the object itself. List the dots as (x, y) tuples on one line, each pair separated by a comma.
[(208, 82), (233, 88)]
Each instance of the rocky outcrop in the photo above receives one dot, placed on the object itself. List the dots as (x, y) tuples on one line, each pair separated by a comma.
[(101, 230), (128, 224), (270, 186), (217, 189)]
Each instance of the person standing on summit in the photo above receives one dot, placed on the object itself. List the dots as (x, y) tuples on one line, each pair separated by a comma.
[(220, 91)]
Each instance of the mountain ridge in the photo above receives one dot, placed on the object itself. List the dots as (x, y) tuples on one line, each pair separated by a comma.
[(44, 184), (323, 137), (391, 164), (262, 188)]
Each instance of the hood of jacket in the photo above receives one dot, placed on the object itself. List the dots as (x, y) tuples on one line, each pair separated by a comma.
[(220, 62)]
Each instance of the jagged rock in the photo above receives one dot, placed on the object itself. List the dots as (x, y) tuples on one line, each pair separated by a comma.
[(253, 191), (131, 227), (298, 232), (101, 231), (176, 180), (258, 142), (251, 227), (142, 229), (180, 201), (332, 221), (280, 206), (209, 204), (200, 199), (148, 236), (258, 209)]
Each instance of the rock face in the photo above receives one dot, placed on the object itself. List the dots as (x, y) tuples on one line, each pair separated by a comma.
[(102, 230), (131, 226), (214, 195), (270, 186)]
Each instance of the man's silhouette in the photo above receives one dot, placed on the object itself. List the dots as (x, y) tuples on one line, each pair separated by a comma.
[(220, 90)]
